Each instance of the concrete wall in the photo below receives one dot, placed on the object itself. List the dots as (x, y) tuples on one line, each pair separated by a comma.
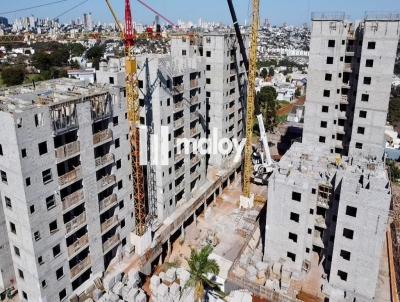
[(279, 209), (342, 131), (322, 32), (30, 214), (372, 201), (160, 111), (386, 36)]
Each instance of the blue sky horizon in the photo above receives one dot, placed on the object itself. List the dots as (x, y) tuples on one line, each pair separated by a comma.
[(277, 12)]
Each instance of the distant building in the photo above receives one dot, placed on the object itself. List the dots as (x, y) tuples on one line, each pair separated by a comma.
[(88, 75), (87, 21), (4, 21)]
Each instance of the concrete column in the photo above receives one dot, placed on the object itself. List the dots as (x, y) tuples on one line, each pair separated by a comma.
[(169, 247), (195, 218), (182, 233)]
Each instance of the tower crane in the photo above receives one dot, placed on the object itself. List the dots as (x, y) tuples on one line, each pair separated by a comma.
[(251, 91), (133, 109), (251, 66)]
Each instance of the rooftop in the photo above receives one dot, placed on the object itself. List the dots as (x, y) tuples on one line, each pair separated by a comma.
[(316, 162), (328, 16), (382, 16), (47, 93), (368, 16)]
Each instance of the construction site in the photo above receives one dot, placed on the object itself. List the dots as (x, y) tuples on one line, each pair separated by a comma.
[(110, 188)]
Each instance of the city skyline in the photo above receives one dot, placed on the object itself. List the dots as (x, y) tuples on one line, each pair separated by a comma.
[(276, 12)]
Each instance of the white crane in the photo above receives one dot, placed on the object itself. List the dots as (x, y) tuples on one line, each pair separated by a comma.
[(264, 169)]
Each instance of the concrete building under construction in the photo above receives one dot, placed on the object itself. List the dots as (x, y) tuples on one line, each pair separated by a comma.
[(321, 202), (65, 186), (65, 163)]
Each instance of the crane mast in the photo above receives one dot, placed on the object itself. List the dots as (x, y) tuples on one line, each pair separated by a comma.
[(133, 109), (251, 91)]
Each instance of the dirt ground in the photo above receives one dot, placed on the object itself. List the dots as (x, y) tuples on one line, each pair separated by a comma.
[(222, 224)]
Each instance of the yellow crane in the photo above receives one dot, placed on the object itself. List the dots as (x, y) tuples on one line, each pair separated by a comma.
[(251, 93), (133, 108)]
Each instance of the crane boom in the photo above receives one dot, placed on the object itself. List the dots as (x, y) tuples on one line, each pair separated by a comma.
[(264, 140), (239, 35), (251, 90), (115, 16)]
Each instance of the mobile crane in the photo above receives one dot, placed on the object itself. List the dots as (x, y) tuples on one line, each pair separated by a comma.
[(264, 168)]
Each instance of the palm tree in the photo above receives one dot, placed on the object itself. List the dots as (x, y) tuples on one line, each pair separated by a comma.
[(199, 267)]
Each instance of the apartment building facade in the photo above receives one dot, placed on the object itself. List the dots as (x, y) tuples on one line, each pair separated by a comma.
[(225, 84), (7, 275), (65, 184), (339, 213), (349, 83), (329, 197), (172, 98)]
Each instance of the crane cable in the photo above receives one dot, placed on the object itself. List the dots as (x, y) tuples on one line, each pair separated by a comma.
[(32, 7), (72, 8)]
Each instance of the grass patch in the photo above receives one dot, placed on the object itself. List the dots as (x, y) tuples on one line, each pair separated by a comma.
[(281, 119)]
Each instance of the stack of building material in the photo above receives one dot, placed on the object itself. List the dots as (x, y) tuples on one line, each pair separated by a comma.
[(174, 292), (183, 276), (161, 293), (285, 279), (261, 269), (122, 289), (170, 275), (276, 271), (167, 286), (251, 273)]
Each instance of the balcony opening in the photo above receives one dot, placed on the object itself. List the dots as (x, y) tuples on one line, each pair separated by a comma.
[(66, 138)]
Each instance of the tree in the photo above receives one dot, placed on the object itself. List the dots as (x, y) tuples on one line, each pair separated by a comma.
[(95, 54), (266, 63), (60, 57), (13, 75), (297, 93), (42, 61), (76, 49), (74, 64), (271, 72), (394, 111), (199, 267), (394, 170), (264, 73), (268, 106)]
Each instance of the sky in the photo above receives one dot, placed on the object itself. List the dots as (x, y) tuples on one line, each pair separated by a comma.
[(294, 12)]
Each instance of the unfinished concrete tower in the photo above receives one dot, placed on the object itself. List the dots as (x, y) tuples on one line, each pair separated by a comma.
[(173, 103), (64, 184), (349, 82), (225, 80), (329, 199)]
